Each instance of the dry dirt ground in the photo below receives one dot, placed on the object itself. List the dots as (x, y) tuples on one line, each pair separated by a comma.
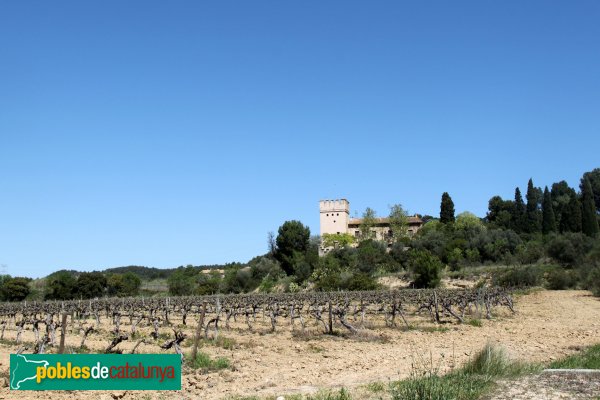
[(550, 386), (547, 325)]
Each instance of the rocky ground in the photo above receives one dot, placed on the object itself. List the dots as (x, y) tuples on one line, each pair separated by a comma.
[(570, 385)]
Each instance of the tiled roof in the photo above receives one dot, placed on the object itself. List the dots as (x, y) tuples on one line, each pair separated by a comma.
[(414, 220)]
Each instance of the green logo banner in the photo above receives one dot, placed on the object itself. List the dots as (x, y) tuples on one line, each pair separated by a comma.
[(95, 372)]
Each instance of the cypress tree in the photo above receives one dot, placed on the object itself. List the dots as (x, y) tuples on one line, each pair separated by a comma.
[(548, 219), (561, 196), (446, 209), (589, 220), (532, 211), (594, 177), (571, 216), (518, 215)]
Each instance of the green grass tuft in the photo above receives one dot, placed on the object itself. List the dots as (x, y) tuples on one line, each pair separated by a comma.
[(222, 342), (207, 364), (432, 386), (467, 383), (492, 361), (588, 359), (343, 394), (475, 322), (376, 387), (431, 329)]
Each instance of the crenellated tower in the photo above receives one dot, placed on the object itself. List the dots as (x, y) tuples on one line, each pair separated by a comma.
[(335, 215)]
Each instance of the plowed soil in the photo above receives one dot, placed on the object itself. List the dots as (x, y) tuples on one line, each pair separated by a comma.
[(547, 325)]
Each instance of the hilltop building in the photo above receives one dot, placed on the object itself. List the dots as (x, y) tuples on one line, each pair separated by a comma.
[(335, 218)]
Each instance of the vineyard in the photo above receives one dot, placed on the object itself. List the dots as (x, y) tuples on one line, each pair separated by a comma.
[(167, 322)]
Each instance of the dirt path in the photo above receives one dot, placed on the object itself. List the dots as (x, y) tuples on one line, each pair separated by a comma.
[(547, 325)]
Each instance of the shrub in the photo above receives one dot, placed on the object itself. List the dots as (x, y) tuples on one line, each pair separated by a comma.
[(569, 248), (327, 274), (14, 289), (530, 252), (426, 269), (208, 283), (519, 277), (559, 279), (237, 280), (182, 281), (593, 282), (371, 254), (562, 250), (455, 258), (472, 256), (361, 281), (494, 244), (433, 241), (400, 255), (261, 267)]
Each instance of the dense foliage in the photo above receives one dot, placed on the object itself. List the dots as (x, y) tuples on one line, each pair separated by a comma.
[(549, 238)]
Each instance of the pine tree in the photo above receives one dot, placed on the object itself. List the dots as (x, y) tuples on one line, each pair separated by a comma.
[(532, 212), (589, 220), (548, 219), (518, 215), (446, 209)]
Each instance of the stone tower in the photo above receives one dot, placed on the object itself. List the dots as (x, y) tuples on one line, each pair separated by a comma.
[(335, 215)]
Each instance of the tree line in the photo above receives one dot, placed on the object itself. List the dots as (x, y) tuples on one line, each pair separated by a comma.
[(67, 285), (554, 232)]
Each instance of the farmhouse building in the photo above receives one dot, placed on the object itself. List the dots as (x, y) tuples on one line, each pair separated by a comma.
[(335, 219)]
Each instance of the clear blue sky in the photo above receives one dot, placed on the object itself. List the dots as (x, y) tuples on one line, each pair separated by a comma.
[(172, 133)]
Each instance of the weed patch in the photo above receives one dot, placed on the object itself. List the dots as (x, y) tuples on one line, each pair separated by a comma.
[(204, 362), (589, 359)]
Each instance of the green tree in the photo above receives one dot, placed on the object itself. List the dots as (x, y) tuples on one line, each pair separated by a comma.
[(123, 285), (208, 283), (361, 281), (518, 214), (337, 240), (369, 219), (548, 220), (467, 226), (468, 221), (61, 285), (182, 282), (570, 219), (426, 269), (594, 178), (327, 275), (589, 220), (446, 209), (264, 266), (500, 212), (292, 237), (4, 278), (237, 280), (561, 196), (90, 285), (15, 289), (430, 226), (302, 267), (371, 254), (398, 223), (532, 209)]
